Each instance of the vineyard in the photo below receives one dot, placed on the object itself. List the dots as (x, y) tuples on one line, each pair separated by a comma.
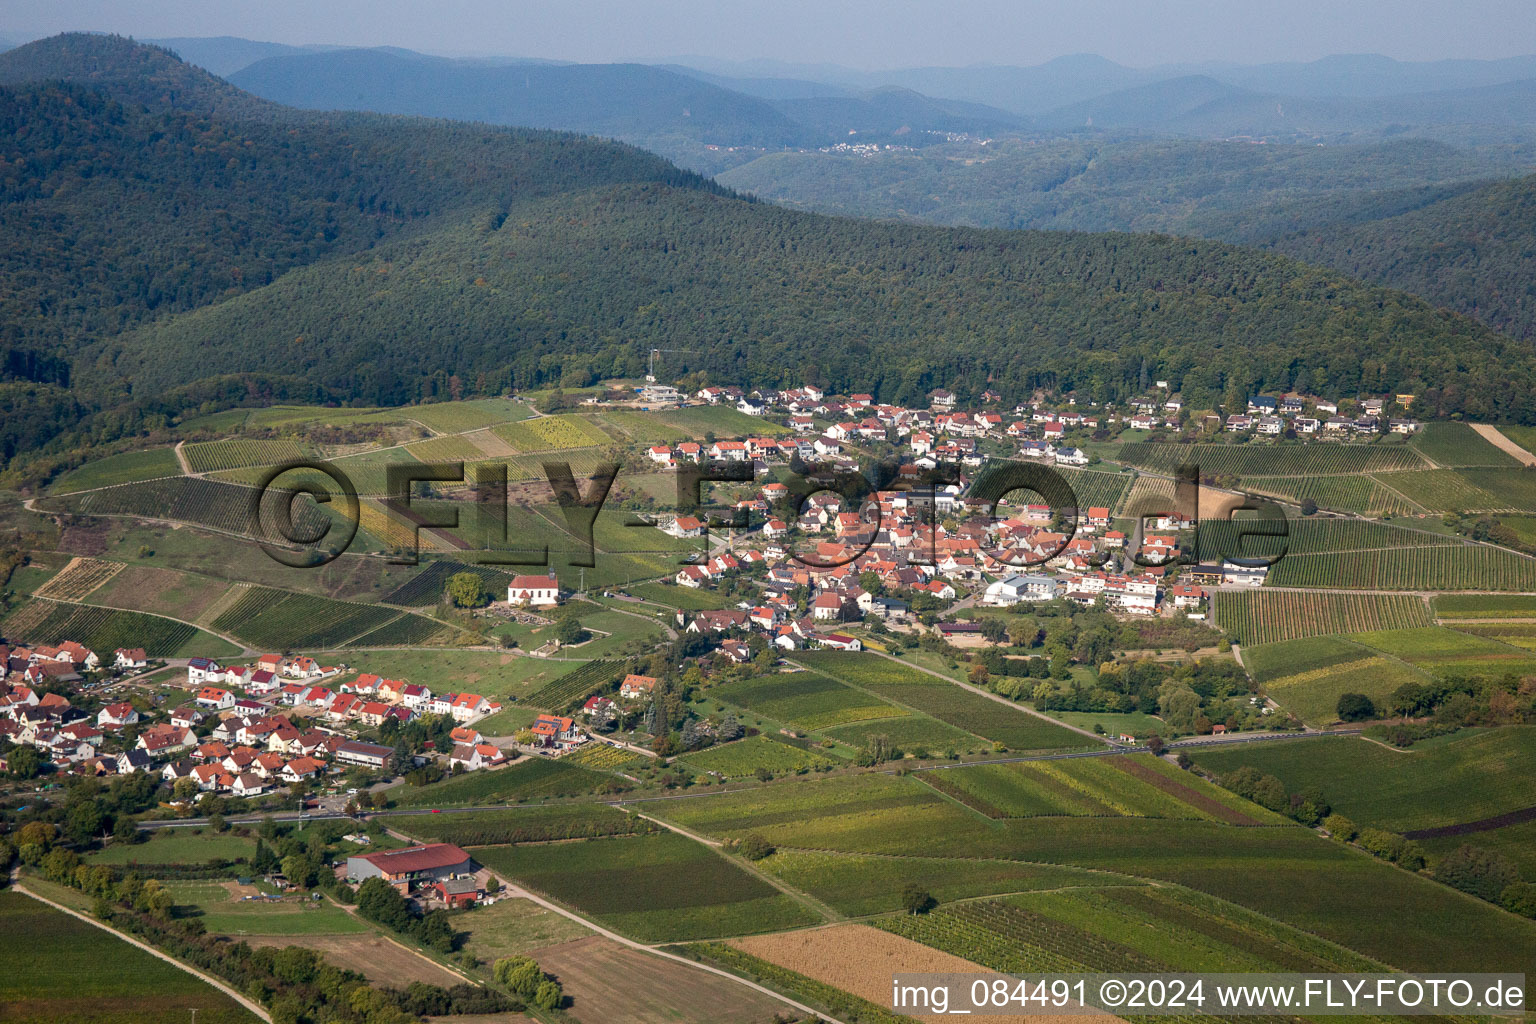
[(583, 462), (1245, 460), (605, 757), (1361, 494), (1512, 488), (913, 732), (1265, 617), (449, 448), (1013, 727), (1442, 490), (211, 456), (575, 687), (103, 630), (201, 502), (656, 888), (427, 586), (1313, 537), (548, 433), (457, 417), (1472, 777), (78, 578), (1095, 787), (1096, 488), (530, 825), (282, 621), (1447, 567), (397, 532), (1119, 928), (742, 758), (367, 472), (1449, 443), (805, 700)]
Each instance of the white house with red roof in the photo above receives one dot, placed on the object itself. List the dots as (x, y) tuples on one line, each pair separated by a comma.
[(533, 590), (115, 716)]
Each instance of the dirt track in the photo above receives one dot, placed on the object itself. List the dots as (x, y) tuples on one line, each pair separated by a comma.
[(1495, 437)]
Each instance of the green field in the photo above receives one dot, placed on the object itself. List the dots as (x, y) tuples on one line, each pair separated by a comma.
[(691, 423), (1013, 727), (1450, 443), (492, 674), (910, 733), (534, 778), (212, 904), (76, 972), (524, 824), (1485, 606), (177, 846), (510, 927), (655, 888), (744, 757), (1449, 652), (180, 595), (671, 595), (1313, 696), (455, 417), (1469, 778), (125, 468), (806, 700)]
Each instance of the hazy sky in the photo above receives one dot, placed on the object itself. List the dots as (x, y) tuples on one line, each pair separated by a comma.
[(858, 33)]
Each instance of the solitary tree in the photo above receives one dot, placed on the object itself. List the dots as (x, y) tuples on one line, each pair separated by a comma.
[(1354, 707), (466, 590), (915, 899)]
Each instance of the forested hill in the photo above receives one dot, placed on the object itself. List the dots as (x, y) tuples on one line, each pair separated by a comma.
[(115, 211), (1474, 252), (580, 285), (150, 76)]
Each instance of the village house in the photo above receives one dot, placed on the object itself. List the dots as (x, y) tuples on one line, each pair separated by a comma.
[(129, 658)]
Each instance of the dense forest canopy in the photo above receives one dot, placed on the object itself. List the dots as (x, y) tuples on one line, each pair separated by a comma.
[(579, 286), (1472, 251)]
